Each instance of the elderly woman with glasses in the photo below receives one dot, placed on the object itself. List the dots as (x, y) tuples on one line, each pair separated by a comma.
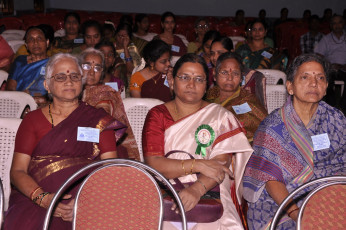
[(195, 141), (54, 142)]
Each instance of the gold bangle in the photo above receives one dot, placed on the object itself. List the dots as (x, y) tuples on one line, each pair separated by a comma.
[(33, 192), (202, 185), (182, 165), (193, 162)]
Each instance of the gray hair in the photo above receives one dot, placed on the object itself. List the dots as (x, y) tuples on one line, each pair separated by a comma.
[(56, 59), (300, 60), (93, 51)]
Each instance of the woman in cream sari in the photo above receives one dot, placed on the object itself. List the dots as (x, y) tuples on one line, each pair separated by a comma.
[(189, 126)]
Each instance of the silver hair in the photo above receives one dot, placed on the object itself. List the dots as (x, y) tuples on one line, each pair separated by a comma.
[(56, 59), (93, 51)]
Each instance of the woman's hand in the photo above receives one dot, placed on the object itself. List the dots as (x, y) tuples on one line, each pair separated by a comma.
[(125, 41), (214, 169), (65, 211), (189, 197)]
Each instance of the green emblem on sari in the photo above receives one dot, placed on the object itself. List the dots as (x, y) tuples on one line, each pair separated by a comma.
[(204, 137)]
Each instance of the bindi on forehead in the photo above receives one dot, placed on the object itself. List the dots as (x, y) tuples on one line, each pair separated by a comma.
[(67, 71)]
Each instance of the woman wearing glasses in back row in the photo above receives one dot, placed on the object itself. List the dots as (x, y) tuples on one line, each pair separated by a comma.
[(49, 148)]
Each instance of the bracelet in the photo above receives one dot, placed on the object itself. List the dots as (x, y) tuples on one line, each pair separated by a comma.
[(202, 185), (193, 162), (128, 59), (182, 165), (43, 196), (38, 197), (290, 212), (33, 192)]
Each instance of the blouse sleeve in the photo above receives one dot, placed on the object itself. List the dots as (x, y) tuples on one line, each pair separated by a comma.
[(153, 134), (136, 82), (107, 141)]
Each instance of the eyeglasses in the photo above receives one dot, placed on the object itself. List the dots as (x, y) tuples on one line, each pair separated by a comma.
[(185, 79), (61, 77), (205, 26), (87, 67), (225, 74)]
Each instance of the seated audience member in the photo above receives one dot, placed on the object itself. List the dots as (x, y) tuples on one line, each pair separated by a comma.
[(253, 81), (125, 48), (72, 37), (178, 47), (309, 40), (239, 19), (97, 94), (283, 17), (47, 151), (201, 27), (306, 16), (27, 71), (109, 31), (327, 15), (243, 104), (114, 68), (6, 55), (256, 54), (92, 33), (170, 142), (333, 47), (267, 40), (287, 152), (141, 28), (262, 16), (152, 81)]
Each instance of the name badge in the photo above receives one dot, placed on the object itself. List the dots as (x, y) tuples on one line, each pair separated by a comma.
[(88, 134), (114, 85), (43, 70), (266, 54), (175, 48), (241, 109), (243, 81), (320, 141), (166, 83), (78, 41), (122, 56)]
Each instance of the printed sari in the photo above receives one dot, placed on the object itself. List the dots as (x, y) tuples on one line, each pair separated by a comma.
[(103, 96), (55, 158), (161, 135), (284, 152)]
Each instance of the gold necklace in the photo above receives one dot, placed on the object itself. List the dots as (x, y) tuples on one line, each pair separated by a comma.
[(156, 79), (51, 117)]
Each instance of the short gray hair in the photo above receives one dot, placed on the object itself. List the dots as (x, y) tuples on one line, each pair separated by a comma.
[(56, 59), (93, 51), (300, 60)]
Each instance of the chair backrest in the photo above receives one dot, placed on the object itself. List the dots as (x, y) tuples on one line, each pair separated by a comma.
[(13, 35), (13, 103), (1, 203), (121, 193), (136, 110), (3, 77), (59, 33), (273, 76), (8, 131), (236, 39), (276, 96), (130, 197), (15, 44)]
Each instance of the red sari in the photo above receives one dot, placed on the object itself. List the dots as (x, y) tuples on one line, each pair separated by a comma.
[(55, 157)]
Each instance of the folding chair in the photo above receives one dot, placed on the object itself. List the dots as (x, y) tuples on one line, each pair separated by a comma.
[(276, 96), (127, 195), (136, 110), (13, 103)]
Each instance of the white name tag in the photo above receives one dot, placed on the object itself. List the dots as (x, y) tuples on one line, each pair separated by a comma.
[(266, 54), (166, 83), (122, 56), (114, 85), (43, 70), (88, 134), (320, 141), (78, 41), (175, 48), (241, 109)]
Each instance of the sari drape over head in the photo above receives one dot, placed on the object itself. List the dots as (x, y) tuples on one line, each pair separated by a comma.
[(283, 151)]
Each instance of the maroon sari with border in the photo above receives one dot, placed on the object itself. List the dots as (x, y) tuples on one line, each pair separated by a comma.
[(55, 158)]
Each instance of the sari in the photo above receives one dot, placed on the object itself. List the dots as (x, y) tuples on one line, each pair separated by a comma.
[(103, 96), (54, 159), (29, 76), (284, 152), (156, 87), (161, 135), (249, 120)]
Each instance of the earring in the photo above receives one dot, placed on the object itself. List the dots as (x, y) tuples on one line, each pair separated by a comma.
[(291, 92), (151, 67)]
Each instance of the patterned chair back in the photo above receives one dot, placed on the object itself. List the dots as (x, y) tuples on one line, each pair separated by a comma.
[(13, 103)]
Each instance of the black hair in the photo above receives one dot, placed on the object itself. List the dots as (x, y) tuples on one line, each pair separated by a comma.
[(210, 35), (298, 61), (138, 19), (239, 11), (92, 23), (39, 27), (72, 14), (226, 56), (154, 50), (124, 26), (200, 19), (225, 41), (126, 18), (259, 21), (190, 57), (167, 14), (103, 43), (282, 10)]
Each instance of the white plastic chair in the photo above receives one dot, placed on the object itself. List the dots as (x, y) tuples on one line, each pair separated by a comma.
[(13, 34), (8, 131), (59, 33), (273, 76), (1, 203), (136, 110), (13, 103), (15, 44), (276, 96), (3, 77), (236, 39), (119, 178)]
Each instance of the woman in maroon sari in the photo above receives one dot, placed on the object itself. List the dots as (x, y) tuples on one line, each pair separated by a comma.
[(52, 143)]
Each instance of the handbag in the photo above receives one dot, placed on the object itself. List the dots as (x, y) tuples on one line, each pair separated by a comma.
[(208, 209)]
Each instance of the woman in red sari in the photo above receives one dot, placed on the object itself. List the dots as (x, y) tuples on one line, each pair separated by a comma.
[(50, 147)]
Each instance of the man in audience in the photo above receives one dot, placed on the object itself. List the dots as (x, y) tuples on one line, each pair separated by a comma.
[(309, 40)]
